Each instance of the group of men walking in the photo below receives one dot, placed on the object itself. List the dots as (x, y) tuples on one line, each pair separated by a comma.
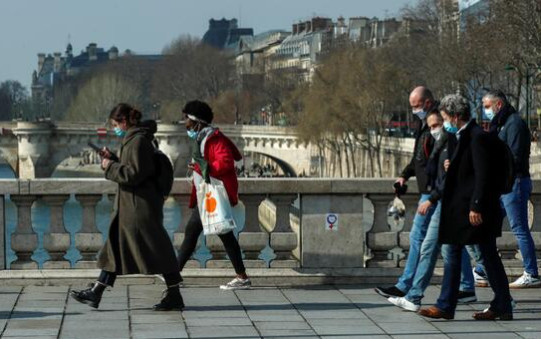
[(459, 166)]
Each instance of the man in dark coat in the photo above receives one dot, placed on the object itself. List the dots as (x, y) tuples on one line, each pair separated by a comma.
[(506, 122), (471, 212)]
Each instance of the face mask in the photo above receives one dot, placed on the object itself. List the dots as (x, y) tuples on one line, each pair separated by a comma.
[(449, 127), (420, 113), (119, 132), (489, 113), (192, 134), (436, 133)]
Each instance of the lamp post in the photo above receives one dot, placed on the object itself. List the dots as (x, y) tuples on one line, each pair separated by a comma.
[(529, 73)]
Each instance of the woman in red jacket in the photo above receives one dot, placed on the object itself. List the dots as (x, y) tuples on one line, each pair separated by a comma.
[(213, 155)]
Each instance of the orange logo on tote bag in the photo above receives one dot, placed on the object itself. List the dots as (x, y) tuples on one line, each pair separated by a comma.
[(210, 203)]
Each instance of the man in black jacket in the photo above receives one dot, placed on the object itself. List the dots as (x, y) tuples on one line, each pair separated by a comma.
[(470, 212), (509, 126), (421, 102), (430, 248)]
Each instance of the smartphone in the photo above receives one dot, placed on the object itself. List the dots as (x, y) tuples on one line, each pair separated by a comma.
[(94, 147)]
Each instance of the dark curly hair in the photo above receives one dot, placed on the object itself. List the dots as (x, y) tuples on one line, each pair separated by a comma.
[(199, 109)]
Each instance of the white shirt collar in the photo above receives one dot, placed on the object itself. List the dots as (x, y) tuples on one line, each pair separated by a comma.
[(461, 129)]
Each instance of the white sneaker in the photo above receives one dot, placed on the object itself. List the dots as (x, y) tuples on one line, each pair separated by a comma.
[(480, 280), (237, 284), (526, 281), (404, 303)]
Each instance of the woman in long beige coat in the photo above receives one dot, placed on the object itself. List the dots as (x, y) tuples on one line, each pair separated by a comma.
[(137, 243)]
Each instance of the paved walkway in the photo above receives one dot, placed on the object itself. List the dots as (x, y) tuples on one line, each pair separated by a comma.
[(41, 312)]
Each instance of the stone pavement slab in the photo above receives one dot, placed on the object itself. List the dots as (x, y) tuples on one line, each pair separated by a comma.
[(340, 311)]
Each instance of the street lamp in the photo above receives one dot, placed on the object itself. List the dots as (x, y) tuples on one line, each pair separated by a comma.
[(529, 68)]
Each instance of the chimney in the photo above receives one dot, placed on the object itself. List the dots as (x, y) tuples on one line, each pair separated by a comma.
[(308, 26), (57, 62), (113, 53), (92, 51), (41, 61), (295, 29), (301, 27)]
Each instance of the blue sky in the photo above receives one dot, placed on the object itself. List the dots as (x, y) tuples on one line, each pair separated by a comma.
[(28, 27)]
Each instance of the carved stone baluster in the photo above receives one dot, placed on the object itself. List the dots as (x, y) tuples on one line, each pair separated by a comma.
[(380, 239), (536, 222), (252, 238), (282, 239), (88, 240), (24, 240), (411, 201), (57, 241)]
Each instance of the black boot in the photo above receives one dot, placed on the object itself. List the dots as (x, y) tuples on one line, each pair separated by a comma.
[(91, 296), (171, 301)]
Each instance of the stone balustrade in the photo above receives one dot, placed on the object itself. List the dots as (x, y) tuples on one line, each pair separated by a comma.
[(286, 224)]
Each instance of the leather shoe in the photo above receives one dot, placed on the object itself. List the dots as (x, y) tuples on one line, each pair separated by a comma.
[(491, 315), (435, 313)]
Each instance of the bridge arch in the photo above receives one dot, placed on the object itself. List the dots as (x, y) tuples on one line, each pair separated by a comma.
[(285, 167)]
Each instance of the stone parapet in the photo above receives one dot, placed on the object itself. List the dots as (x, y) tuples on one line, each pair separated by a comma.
[(287, 224)]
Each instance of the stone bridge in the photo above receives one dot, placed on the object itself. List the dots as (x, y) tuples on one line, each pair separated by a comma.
[(38, 148)]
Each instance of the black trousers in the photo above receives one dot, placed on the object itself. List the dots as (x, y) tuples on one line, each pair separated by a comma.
[(109, 278), (193, 231), (495, 273)]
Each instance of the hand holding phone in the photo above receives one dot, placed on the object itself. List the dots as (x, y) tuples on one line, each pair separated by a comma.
[(103, 152)]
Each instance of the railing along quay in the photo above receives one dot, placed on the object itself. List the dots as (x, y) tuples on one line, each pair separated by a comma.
[(287, 224)]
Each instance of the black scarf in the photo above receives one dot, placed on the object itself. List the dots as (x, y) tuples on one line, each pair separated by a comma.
[(499, 120)]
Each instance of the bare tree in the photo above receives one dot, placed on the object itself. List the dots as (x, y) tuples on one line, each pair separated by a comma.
[(99, 94)]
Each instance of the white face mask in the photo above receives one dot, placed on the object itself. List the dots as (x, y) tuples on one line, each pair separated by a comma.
[(436, 133)]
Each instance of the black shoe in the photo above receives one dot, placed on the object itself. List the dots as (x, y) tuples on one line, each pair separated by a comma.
[(91, 296), (389, 292), (466, 297), (171, 301)]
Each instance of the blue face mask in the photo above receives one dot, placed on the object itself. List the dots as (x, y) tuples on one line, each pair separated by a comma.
[(119, 132), (420, 114), (489, 113), (192, 134), (450, 128)]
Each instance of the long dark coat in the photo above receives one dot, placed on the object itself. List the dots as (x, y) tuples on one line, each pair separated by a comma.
[(138, 243), (470, 186)]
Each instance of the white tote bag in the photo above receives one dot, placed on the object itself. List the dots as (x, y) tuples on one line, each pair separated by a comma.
[(214, 206)]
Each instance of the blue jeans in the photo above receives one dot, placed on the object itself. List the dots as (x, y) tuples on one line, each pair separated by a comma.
[(515, 205), (496, 275), (430, 249), (417, 236)]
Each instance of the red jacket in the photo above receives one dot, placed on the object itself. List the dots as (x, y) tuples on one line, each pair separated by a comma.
[(221, 154)]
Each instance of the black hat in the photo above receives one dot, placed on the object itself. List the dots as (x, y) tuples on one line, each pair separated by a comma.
[(198, 111)]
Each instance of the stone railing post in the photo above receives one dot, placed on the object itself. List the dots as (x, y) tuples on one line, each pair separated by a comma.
[(2, 232), (57, 241), (339, 246), (252, 238), (88, 240), (380, 239), (536, 224), (24, 240), (411, 201), (282, 238)]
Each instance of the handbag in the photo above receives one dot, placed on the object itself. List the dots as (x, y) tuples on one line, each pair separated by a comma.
[(214, 206)]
